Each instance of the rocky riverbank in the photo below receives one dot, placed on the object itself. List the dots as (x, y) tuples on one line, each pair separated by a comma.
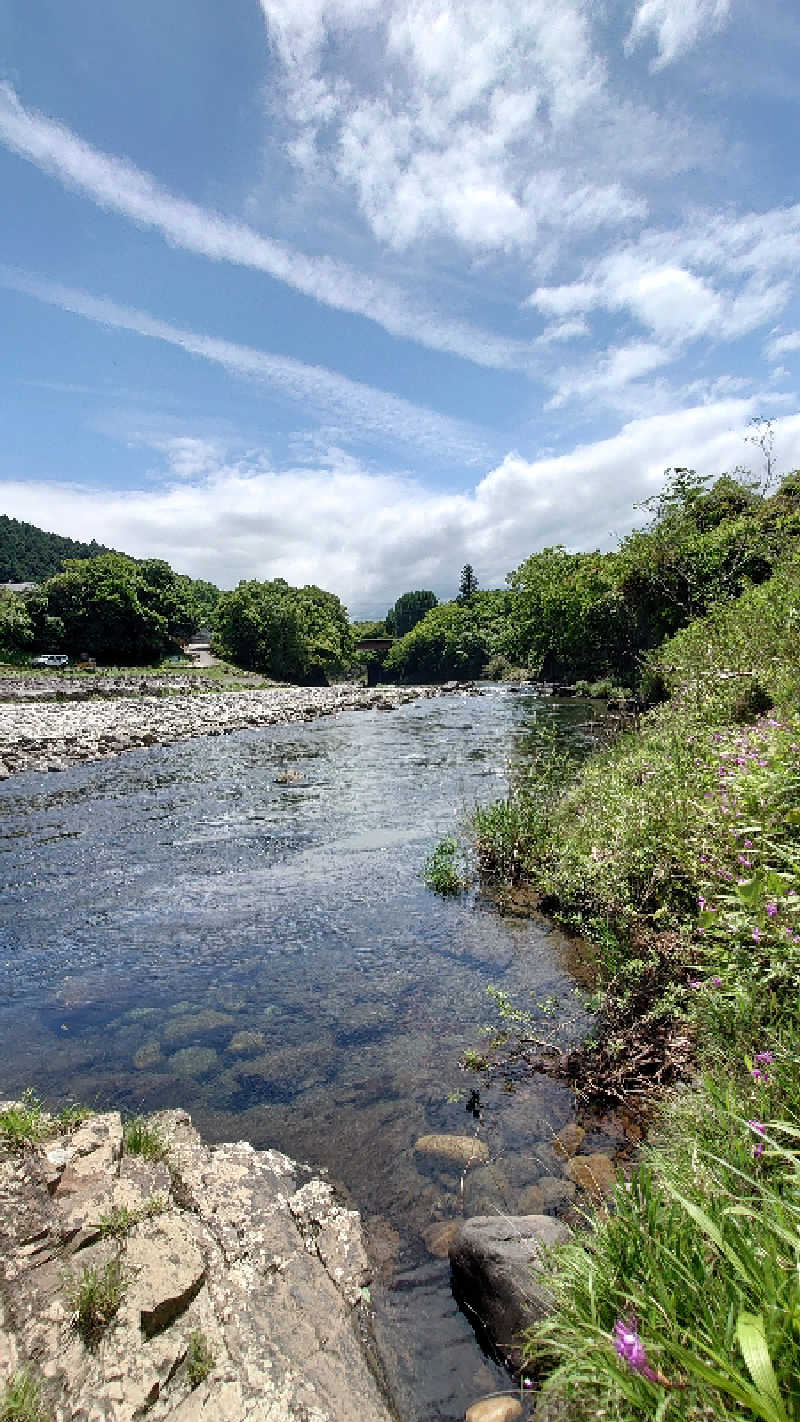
[(154, 1275), (84, 726)]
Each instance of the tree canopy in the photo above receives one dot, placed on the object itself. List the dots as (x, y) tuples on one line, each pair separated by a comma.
[(409, 609), (29, 554), (292, 634)]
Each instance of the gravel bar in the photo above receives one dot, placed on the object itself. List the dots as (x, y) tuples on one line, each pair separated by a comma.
[(56, 735)]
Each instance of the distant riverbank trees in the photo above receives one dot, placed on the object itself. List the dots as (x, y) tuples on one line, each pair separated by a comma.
[(291, 634)]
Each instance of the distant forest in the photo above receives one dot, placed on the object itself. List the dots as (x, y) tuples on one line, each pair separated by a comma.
[(28, 554)]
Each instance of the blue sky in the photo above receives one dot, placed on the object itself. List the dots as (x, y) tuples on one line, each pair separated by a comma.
[(356, 291)]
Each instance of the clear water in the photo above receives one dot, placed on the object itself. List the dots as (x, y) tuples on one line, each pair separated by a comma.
[(238, 925)]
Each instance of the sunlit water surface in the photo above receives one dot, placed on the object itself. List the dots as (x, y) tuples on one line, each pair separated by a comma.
[(239, 925)]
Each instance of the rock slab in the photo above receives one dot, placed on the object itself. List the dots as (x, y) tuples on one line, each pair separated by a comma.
[(242, 1249)]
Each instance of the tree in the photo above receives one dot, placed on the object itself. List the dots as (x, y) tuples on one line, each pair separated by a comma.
[(116, 608), (468, 584), (410, 609), (292, 634)]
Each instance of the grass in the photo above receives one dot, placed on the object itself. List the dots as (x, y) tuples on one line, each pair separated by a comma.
[(21, 1400), (142, 1137), (95, 1296), (199, 1359), (120, 1220), (677, 852), (27, 1122)]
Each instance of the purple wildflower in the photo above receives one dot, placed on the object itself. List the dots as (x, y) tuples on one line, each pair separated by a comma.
[(758, 1127), (766, 1057), (716, 982), (631, 1349), (701, 903), (695, 983), (772, 909), (756, 935)]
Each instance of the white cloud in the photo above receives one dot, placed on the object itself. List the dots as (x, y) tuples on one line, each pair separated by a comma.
[(714, 279), (370, 537), (676, 25), (480, 123), (118, 186), (362, 408), (779, 345)]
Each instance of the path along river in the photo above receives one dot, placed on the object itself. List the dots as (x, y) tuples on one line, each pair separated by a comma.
[(238, 925)]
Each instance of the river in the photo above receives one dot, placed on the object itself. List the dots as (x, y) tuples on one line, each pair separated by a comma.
[(239, 925)]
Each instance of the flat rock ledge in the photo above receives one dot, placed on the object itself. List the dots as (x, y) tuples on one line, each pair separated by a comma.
[(58, 734), (244, 1282)]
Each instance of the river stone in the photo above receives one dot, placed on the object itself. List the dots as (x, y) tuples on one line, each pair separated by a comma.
[(461, 1150), (147, 1056), (440, 1236), (555, 1192), (193, 1061), (495, 1409), (569, 1140), (531, 1201), (596, 1174), (246, 1041), (498, 1276), (196, 1024)]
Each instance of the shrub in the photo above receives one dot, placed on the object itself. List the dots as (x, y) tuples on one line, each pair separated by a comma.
[(199, 1359), (443, 872)]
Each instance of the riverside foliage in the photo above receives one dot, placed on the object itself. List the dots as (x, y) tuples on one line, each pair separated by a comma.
[(677, 851)]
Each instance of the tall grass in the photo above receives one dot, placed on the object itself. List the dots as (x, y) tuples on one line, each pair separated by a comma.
[(683, 1299)]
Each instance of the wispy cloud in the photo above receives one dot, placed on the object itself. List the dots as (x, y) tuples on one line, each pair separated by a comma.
[(361, 408), (119, 186), (676, 25)]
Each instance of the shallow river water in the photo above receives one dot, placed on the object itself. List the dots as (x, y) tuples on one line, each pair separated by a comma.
[(238, 925)]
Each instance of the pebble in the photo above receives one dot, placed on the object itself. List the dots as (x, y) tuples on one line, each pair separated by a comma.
[(494, 1409)]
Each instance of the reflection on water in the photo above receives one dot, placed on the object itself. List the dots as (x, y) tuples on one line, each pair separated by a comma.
[(238, 925)]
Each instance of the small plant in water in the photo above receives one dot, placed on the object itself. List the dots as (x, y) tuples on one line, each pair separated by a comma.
[(199, 1359), (442, 871), (95, 1295), (21, 1400), (143, 1138)]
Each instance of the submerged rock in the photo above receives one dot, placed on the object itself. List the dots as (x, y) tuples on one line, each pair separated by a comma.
[(499, 1278), (242, 1282), (460, 1150)]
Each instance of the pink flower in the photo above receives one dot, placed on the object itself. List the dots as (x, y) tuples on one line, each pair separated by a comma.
[(631, 1349)]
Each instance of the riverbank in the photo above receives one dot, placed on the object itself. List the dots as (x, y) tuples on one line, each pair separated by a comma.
[(677, 852), (55, 734)]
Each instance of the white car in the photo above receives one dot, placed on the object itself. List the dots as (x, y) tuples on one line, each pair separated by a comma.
[(50, 659)]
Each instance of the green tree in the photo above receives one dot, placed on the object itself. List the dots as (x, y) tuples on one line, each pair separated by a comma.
[(468, 584), (409, 609), (116, 608), (292, 634)]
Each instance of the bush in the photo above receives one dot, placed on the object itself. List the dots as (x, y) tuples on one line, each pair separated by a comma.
[(443, 872)]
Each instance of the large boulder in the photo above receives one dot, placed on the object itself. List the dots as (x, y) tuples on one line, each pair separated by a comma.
[(500, 1276)]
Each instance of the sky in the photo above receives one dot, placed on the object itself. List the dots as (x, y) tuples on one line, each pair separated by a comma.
[(354, 292)]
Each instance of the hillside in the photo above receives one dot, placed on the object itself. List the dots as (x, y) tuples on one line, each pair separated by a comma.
[(28, 553)]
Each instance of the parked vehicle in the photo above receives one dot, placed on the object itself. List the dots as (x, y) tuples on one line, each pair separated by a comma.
[(50, 659)]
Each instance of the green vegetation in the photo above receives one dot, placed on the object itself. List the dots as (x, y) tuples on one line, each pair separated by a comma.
[(293, 634), (26, 1122), (28, 554), (409, 609), (120, 1220), (199, 1359), (142, 1137), (95, 1295), (444, 872), (676, 851), (453, 640), (21, 1400)]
